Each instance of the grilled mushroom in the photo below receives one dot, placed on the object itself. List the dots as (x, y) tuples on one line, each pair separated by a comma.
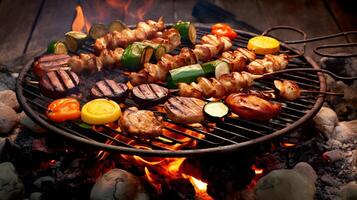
[(59, 83)]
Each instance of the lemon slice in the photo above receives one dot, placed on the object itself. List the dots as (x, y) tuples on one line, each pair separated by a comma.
[(100, 111), (263, 45)]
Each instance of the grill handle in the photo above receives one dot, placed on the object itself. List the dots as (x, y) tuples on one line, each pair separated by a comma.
[(335, 76), (319, 38)]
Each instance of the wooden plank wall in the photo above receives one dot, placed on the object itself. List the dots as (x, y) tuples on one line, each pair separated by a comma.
[(28, 26)]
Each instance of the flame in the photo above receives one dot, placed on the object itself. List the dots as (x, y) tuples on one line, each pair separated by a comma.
[(124, 5), (80, 22)]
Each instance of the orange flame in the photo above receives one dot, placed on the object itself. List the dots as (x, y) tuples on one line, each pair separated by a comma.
[(140, 12), (80, 22)]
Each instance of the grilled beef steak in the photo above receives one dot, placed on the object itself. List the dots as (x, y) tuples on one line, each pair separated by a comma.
[(141, 123), (109, 89), (60, 83), (50, 62), (185, 110), (150, 94)]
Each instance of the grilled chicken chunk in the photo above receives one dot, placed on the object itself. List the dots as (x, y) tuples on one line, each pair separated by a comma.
[(185, 110), (50, 62), (109, 89), (141, 123), (270, 63), (60, 83), (287, 89)]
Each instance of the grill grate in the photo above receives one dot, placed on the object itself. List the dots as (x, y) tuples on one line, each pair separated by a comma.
[(228, 135)]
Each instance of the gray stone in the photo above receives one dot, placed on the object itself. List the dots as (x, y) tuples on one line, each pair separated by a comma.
[(7, 81), (325, 121), (306, 170), (36, 196), (329, 180), (333, 155), (11, 187), (30, 124), (38, 182), (118, 184), (8, 118), (352, 125), (284, 184), (343, 133), (354, 158), (8, 97), (349, 191)]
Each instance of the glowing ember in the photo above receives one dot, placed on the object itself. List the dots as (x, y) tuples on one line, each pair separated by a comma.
[(287, 144), (257, 171), (80, 22)]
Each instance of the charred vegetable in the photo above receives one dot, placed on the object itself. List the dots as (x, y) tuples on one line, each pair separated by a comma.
[(64, 109), (150, 94), (98, 30), (117, 25), (216, 110), (100, 111), (187, 31), (135, 55), (60, 83), (110, 89), (74, 39), (57, 47)]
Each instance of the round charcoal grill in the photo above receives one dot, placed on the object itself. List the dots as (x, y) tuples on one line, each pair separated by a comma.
[(229, 135)]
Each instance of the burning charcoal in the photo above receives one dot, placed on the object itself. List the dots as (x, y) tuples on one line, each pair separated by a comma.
[(349, 191), (325, 121), (118, 184), (178, 189), (285, 184), (8, 97), (11, 185), (8, 118)]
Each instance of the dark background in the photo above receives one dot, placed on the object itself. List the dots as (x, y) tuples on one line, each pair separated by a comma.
[(27, 26)]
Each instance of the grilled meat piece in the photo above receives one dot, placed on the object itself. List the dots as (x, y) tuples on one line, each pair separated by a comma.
[(109, 89), (60, 83), (209, 47), (50, 62), (238, 59), (217, 88), (185, 110), (143, 30), (252, 107), (141, 123), (270, 63), (150, 94), (287, 89)]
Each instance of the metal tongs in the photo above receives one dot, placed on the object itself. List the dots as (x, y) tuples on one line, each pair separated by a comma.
[(316, 50)]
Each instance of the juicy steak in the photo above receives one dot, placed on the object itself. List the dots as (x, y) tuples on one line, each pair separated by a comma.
[(185, 109), (50, 62), (141, 123), (60, 83), (109, 89)]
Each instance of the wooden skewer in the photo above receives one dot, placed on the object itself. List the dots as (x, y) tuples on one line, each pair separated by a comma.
[(311, 91)]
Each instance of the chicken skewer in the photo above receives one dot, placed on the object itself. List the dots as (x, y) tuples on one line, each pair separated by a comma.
[(143, 31), (210, 46), (109, 58)]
